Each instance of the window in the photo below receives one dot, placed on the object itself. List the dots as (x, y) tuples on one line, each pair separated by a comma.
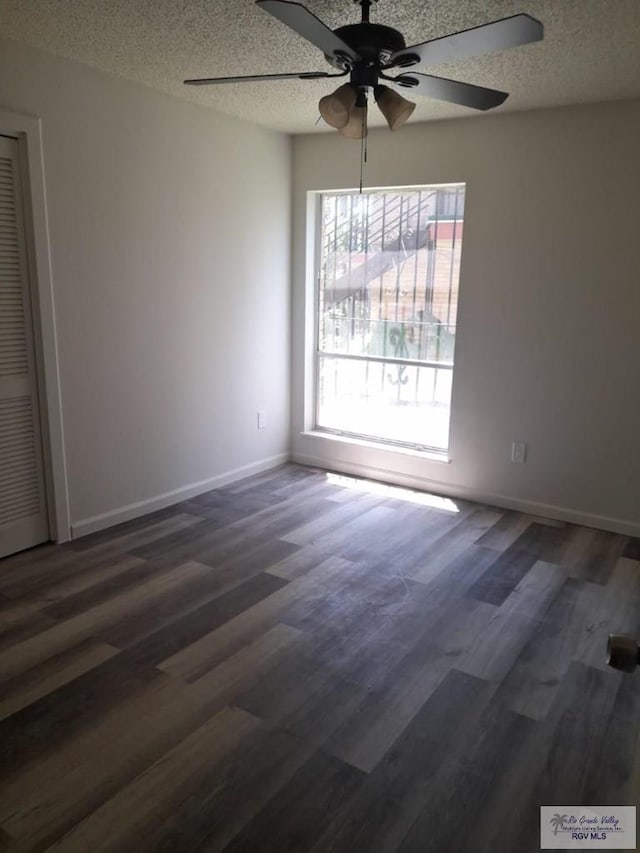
[(387, 299)]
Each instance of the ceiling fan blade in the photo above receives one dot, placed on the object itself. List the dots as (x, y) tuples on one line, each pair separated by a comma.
[(488, 38), (305, 23), (252, 78), (453, 91)]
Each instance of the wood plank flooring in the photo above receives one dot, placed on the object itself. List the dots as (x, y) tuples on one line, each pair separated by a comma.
[(288, 664)]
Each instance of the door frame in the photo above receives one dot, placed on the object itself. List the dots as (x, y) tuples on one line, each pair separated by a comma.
[(27, 131)]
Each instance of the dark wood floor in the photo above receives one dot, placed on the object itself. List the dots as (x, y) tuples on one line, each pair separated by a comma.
[(287, 664)]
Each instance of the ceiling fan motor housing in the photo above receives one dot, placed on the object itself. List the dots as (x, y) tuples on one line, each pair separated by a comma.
[(373, 42)]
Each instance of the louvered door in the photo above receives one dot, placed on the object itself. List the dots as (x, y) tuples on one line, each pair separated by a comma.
[(23, 515)]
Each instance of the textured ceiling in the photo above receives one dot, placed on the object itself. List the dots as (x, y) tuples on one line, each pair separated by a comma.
[(591, 50)]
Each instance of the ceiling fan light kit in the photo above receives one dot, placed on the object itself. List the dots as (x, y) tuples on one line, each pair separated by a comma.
[(336, 108), (393, 106), (356, 127), (367, 51)]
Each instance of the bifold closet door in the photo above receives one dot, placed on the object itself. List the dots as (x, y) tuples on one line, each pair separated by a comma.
[(23, 512)]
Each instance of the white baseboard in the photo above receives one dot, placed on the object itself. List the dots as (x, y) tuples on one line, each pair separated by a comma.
[(134, 510), (601, 522)]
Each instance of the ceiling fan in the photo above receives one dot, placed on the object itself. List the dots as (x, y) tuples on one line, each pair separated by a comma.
[(366, 51)]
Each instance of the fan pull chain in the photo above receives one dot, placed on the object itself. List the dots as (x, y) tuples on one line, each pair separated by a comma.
[(363, 143), (366, 136), (361, 161)]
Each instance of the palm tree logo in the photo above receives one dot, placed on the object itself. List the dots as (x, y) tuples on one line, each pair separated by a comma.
[(557, 822)]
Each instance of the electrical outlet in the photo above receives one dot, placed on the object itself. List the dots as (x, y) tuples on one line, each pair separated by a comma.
[(519, 451), (262, 419)]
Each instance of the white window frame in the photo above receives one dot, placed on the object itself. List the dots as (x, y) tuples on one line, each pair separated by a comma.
[(311, 335)]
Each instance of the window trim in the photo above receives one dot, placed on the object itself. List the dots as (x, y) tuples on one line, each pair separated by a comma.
[(417, 452), (311, 428)]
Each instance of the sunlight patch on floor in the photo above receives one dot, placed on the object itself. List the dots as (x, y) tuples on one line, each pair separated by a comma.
[(396, 492)]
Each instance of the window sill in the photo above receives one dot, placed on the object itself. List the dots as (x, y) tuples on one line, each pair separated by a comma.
[(431, 455)]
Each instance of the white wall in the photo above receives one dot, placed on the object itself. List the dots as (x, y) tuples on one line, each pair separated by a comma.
[(548, 347), (169, 229)]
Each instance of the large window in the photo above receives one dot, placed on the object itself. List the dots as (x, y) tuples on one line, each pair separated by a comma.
[(386, 306)]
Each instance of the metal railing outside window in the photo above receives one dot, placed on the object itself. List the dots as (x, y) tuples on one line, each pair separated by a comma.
[(387, 302)]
